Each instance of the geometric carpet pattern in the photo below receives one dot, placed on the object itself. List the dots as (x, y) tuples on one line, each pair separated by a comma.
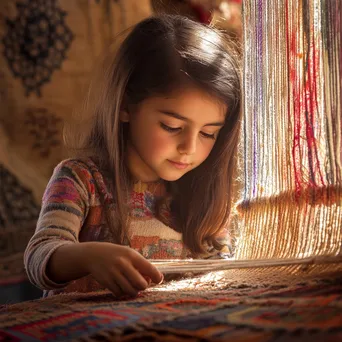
[(303, 310)]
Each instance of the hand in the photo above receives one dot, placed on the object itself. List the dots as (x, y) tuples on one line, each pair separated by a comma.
[(121, 269)]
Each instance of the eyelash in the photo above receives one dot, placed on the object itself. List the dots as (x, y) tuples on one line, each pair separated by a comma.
[(174, 130)]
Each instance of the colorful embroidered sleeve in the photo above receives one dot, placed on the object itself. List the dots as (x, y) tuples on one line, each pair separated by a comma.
[(64, 208)]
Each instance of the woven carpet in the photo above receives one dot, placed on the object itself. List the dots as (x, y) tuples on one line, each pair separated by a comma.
[(244, 305)]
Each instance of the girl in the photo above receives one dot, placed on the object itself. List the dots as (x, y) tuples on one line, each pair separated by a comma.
[(152, 176)]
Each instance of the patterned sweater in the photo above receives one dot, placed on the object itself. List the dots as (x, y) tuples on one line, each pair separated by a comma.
[(72, 212)]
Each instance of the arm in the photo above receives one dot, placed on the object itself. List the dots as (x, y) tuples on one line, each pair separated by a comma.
[(67, 263), (54, 255), (118, 268), (64, 208)]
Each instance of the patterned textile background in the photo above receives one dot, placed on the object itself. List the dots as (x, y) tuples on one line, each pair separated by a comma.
[(48, 48)]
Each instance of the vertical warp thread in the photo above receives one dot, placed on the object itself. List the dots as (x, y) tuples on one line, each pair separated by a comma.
[(291, 204)]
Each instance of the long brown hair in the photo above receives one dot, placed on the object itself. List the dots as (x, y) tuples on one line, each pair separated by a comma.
[(157, 56)]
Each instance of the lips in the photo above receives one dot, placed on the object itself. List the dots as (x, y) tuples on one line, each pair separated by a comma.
[(179, 165)]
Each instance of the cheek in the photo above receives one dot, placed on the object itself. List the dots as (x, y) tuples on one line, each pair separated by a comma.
[(205, 151), (157, 143)]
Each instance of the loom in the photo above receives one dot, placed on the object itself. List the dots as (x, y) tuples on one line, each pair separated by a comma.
[(290, 160)]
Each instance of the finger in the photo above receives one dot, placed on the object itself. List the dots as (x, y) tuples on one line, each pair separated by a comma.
[(148, 279), (125, 285), (147, 269), (115, 289), (135, 278)]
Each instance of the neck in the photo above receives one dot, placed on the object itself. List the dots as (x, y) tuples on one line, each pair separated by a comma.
[(140, 172)]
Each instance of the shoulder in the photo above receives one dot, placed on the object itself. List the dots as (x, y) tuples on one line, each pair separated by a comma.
[(84, 164), (82, 172), (83, 168)]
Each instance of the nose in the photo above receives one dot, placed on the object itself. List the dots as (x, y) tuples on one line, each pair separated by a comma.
[(187, 144)]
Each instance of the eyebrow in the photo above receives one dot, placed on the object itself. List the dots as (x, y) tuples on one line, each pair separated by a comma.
[(180, 117)]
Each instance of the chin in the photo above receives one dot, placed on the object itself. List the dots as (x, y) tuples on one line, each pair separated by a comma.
[(172, 175), (169, 177)]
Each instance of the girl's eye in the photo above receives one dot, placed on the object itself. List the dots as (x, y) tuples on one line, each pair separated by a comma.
[(209, 136), (168, 128), (177, 129)]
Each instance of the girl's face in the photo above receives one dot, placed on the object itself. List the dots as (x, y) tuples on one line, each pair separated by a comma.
[(172, 135)]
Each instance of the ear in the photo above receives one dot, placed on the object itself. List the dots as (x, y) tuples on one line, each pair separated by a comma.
[(124, 115)]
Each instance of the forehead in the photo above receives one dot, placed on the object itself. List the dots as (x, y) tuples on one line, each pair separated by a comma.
[(192, 103)]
